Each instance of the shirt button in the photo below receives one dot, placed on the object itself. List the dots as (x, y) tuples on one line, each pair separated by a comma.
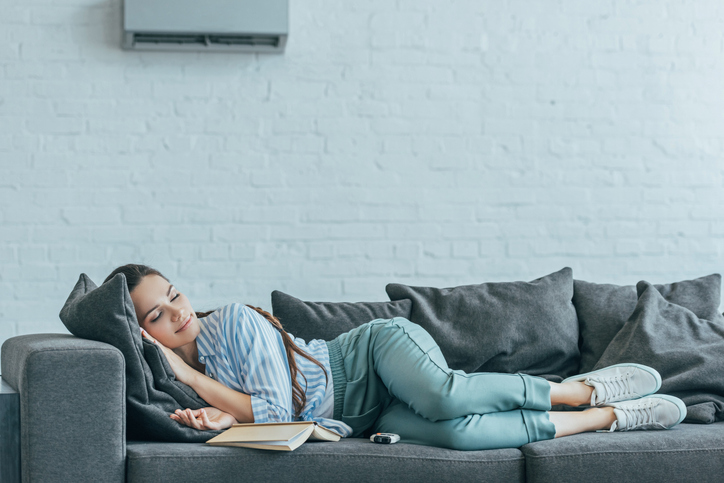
[(202, 359)]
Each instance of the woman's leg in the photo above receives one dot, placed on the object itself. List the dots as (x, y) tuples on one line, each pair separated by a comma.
[(658, 411), (570, 393), (574, 422), (512, 429), (509, 429), (412, 368)]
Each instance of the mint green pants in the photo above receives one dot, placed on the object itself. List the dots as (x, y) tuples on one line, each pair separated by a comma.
[(390, 376)]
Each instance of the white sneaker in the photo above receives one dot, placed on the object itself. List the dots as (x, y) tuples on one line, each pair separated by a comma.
[(651, 412), (620, 382)]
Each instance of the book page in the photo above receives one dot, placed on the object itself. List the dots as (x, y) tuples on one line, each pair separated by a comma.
[(239, 433), (321, 433)]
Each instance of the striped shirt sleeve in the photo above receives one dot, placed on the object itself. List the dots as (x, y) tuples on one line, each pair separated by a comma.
[(263, 366)]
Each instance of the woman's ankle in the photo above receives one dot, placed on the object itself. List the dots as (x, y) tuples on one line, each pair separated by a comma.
[(570, 394)]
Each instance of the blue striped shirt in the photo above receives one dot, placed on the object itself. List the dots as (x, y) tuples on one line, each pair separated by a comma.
[(242, 350)]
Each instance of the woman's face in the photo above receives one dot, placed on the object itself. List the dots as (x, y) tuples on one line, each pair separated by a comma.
[(164, 312)]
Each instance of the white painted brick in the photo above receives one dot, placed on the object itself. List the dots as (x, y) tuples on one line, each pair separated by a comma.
[(694, 229), (448, 213), (397, 145), (32, 254), (206, 216), (105, 234), (320, 251), (280, 251), (202, 269), (536, 213), (184, 251), (122, 90), (437, 249), (492, 248), (434, 146), (243, 251), (357, 231), (30, 216), (407, 251), (444, 268), (465, 249), (91, 216), (624, 229), (238, 233), (215, 251), (8, 254)]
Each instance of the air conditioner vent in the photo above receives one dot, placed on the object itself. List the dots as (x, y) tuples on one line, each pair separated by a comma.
[(160, 41)]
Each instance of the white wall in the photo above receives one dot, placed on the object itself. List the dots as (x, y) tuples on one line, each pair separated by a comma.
[(426, 142)]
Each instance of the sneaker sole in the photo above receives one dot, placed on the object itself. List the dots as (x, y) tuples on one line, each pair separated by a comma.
[(657, 376)]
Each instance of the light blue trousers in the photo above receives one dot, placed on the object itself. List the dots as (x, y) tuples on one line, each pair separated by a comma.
[(390, 376)]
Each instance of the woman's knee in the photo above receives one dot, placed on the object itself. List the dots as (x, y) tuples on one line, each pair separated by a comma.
[(437, 405)]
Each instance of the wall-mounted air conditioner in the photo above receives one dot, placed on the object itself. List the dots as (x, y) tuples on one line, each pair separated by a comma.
[(206, 25)]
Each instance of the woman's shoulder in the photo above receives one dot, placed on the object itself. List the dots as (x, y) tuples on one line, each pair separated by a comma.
[(235, 315)]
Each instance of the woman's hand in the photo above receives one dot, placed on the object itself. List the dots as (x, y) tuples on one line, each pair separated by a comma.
[(205, 418), (183, 371)]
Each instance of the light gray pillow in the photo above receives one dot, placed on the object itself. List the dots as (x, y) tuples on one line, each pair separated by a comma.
[(508, 327), (688, 352), (603, 309), (106, 314), (327, 320)]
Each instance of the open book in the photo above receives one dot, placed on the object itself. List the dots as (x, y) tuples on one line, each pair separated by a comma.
[(276, 436)]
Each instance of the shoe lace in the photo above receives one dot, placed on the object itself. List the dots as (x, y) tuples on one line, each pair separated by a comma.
[(640, 415), (615, 387)]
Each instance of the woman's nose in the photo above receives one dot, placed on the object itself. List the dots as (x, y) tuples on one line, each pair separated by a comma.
[(180, 314)]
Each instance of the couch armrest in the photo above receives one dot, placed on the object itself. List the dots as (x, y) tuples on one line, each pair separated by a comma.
[(72, 407)]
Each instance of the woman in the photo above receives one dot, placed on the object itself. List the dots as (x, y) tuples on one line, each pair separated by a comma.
[(386, 375)]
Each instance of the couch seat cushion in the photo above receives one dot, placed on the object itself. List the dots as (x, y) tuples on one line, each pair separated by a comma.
[(688, 452), (350, 460)]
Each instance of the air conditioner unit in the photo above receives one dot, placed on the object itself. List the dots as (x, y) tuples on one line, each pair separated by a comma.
[(206, 25)]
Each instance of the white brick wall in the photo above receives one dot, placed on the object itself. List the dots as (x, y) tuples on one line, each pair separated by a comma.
[(428, 142)]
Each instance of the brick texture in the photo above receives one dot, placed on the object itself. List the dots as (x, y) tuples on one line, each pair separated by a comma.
[(423, 142)]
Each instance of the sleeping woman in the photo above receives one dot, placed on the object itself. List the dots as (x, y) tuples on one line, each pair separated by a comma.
[(384, 376)]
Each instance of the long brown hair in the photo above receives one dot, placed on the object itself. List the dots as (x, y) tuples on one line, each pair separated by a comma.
[(135, 273)]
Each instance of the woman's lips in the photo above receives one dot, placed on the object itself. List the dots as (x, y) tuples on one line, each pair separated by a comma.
[(185, 326)]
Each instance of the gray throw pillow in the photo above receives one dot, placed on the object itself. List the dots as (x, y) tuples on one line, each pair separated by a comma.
[(509, 327), (603, 309), (106, 314), (688, 352), (327, 320)]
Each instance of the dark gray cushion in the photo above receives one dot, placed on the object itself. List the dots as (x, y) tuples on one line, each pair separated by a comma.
[(351, 460), (106, 314), (687, 351), (604, 308), (688, 452), (327, 320), (527, 327)]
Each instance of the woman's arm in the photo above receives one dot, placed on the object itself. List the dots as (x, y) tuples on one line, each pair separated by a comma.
[(213, 392), (219, 396)]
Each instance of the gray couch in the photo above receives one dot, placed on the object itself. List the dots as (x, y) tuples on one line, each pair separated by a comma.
[(77, 405), (73, 426)]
